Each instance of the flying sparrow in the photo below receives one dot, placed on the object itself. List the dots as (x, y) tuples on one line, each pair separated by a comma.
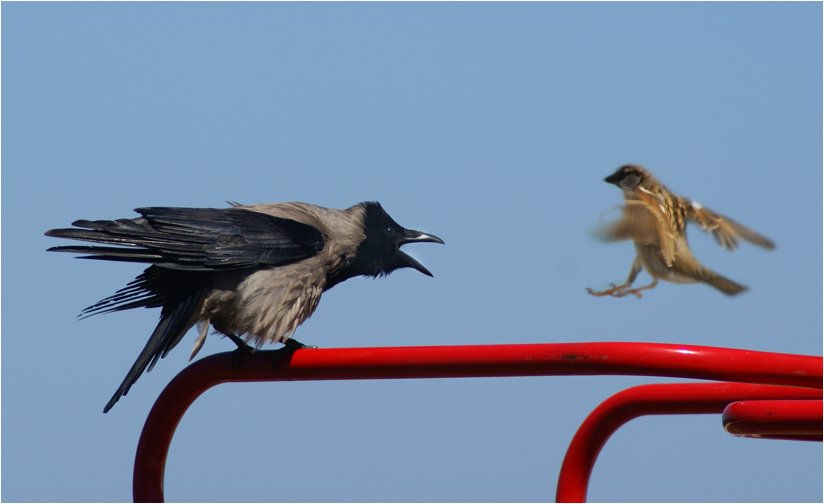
[(655, 219)]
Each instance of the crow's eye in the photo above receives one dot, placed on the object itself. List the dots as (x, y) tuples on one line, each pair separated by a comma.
[(389, 231)]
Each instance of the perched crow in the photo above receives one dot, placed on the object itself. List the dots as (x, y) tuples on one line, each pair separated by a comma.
[(254, 271)]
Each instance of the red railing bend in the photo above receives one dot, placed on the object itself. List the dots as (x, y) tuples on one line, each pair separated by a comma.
[(656, 399), (640, 359)]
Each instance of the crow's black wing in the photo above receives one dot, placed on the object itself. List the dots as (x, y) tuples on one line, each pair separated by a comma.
[(195, 239)]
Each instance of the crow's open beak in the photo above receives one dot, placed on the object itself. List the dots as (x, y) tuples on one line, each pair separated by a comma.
[(411, 236)]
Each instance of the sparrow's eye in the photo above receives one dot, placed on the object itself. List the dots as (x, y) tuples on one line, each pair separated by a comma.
[(630, 181), (389, 231)]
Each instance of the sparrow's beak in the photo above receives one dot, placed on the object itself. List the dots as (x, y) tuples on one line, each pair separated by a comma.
[(612, 179), (411, 236)]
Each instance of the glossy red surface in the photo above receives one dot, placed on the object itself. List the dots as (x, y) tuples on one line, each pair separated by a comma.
[(641, 359), (799, 420), (656, 399)]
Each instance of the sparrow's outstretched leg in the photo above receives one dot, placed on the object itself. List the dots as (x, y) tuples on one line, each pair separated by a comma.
[(609, 292), (623, 290), (637, 292)]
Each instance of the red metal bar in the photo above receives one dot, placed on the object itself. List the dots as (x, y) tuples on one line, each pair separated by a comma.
[(657, 399), (799, 420), (644, 359)]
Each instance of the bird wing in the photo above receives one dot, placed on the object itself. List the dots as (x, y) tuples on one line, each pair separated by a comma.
[(725, 230), (636, 223), (644, 222), (196, 239)]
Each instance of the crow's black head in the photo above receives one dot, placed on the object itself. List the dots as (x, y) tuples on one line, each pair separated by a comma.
[(379, 254)]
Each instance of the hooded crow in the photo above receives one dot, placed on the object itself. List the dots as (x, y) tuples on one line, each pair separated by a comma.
[(254, 272)]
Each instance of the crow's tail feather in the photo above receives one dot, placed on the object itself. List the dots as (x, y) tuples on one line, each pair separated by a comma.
[(166, 335)]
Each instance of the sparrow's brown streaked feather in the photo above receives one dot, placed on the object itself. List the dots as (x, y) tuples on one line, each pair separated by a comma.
[(687, 269), (694, 269), (655, 220), (724, 229), (668, 227), (643, 226), (636, 223)]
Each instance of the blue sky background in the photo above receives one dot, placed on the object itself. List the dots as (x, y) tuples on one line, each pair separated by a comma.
[(490, 125)]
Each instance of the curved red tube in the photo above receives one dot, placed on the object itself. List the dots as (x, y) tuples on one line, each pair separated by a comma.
[(644, 359), (656, 399)]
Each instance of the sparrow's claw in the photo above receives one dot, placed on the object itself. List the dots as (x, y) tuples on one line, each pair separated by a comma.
[(627, 292), (637, 292), (614, 291)]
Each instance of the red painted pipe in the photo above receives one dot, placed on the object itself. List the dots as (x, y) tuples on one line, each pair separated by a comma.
[(644, 359), (656, 399), (799, 420)]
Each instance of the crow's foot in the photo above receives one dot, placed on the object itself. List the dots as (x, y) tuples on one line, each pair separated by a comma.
[(242, 349), (289, 347)]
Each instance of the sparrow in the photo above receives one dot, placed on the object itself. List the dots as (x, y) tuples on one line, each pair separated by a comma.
[(655, 219), (255, 272)]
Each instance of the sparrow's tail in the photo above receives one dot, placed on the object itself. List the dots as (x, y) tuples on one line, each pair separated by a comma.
[(721, 283)]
